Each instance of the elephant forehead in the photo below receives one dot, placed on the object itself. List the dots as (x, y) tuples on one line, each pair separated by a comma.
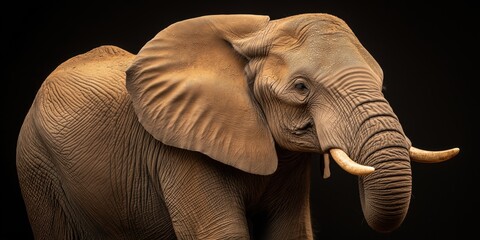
[(318, 56), (320, 23), (294, 30), (334, 50)]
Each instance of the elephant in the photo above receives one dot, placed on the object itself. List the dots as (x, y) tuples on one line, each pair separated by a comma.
[(209, 131)]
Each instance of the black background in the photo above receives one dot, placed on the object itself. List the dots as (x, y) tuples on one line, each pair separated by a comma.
[(428, 53)]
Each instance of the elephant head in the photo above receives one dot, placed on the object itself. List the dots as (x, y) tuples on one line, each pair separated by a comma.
[(235, 86)]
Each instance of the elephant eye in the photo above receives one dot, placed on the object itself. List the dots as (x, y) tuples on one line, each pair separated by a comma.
[(301, 86)]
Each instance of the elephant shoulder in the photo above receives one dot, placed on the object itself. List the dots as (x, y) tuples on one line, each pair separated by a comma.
[(85, 92)]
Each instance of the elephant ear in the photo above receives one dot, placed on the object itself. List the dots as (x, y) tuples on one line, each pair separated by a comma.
[(189, 91)]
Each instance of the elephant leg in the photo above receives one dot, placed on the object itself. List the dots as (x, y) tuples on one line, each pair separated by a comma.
[(41, 189), (207, 219), (289, 204), (202, 201), (294, 223)]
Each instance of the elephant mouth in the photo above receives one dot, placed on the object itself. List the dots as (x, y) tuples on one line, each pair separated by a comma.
[(304, 128)]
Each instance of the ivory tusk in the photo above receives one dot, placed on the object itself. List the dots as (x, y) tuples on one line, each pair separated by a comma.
[(424, 156), (326, 166), (347, 164)]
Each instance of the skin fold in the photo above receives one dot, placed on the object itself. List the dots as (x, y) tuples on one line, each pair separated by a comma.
[(208, 132)]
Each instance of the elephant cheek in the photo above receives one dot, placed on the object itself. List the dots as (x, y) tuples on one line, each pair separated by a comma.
[(385, 194)]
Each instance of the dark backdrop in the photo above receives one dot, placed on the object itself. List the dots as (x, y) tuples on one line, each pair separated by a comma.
[(428, 54)]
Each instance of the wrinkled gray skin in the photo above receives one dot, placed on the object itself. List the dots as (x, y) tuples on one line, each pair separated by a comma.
[(210, 126)]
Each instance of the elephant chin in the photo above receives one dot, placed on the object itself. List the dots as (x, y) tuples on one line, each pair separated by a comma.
[(385, 195)]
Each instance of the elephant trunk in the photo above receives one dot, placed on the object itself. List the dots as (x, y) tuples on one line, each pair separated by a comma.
[(385, 193), (374, 147)]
